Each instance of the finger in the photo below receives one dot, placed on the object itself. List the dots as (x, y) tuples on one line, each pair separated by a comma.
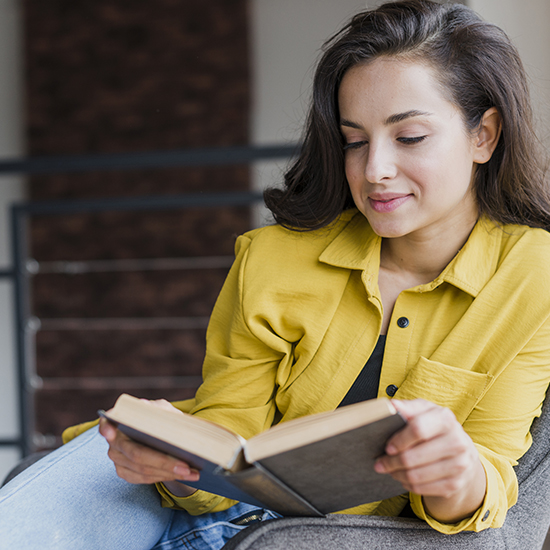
[(142, 468), (411, 408), (143, 460), (145, 457), (431, 423), (131, 476), (441, 487), (454, 443), (451, 468)]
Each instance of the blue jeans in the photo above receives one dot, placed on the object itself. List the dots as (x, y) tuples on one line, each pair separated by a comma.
[(73, 499)]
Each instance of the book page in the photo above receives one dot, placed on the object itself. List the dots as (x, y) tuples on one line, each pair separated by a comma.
[(198, 436), (309, 429)]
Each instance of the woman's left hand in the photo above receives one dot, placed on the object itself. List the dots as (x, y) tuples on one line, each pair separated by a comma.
[(434, 457)]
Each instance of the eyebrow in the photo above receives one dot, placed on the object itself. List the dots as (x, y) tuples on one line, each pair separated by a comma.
[(392, 119)]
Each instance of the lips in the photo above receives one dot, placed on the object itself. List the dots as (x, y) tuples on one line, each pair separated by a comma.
[(387, 203)]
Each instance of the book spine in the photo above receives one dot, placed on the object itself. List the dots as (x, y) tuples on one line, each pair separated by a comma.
[(265, 487)]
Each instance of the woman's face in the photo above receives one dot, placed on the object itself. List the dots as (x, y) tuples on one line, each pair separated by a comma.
[(409, 160)]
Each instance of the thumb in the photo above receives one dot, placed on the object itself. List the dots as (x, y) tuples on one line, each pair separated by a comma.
[(107, 430), (410, 408)]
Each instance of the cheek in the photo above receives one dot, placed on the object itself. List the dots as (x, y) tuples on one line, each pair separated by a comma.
[(454, 166), (352, 175), (354, 167), (440, 173), (423, 173), (445, 189), (356, 185)]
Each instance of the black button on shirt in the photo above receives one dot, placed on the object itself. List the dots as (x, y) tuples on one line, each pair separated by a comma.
[(391, 390), (402, 322)]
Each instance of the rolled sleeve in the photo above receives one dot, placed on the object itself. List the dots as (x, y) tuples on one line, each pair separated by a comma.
[(501, 494), (200, 502)]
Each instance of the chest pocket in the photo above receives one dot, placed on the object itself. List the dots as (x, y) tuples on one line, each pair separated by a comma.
[(458, 389)]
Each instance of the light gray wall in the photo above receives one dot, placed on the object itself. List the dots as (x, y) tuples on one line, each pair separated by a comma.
[(286, 39), (287, 36), (11, 189), (527, 23)]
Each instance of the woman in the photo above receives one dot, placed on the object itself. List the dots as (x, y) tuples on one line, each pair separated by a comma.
[(409, 260)]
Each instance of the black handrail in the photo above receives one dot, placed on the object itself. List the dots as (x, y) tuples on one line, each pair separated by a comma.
[(206, 156), (124, 161)]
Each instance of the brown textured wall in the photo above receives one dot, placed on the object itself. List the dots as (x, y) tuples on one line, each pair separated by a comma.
[(130, 75)]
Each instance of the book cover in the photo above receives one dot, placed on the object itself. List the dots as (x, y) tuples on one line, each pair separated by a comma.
[(338, 473), (310, 466)]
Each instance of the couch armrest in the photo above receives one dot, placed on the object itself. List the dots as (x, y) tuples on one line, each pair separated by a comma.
[(357, 533)]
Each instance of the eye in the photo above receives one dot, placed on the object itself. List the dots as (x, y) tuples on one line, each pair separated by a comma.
[(354, 145), (411, 140)]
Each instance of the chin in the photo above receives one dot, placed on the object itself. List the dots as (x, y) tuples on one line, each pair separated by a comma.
[(388, 231), (389, 225), (390, 234)]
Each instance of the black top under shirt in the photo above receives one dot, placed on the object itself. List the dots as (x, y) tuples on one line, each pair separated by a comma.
[(366, 384)]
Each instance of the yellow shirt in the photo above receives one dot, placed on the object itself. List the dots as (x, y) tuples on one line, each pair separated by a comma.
[(300, 314)]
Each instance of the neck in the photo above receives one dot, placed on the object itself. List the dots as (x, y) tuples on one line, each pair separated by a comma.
[(422, 257)]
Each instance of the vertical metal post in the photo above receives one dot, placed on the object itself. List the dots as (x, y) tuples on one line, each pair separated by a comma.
[(18, 219)]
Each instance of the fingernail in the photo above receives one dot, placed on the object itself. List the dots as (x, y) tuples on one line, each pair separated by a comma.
[(181, 471), (379, 467), (391, 450)]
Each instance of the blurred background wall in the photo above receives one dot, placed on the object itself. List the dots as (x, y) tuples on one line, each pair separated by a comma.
[(109, 76), (12, 188), (112, 77), (527, 24)]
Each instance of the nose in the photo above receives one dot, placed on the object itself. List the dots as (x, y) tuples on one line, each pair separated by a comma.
[(380, 164)]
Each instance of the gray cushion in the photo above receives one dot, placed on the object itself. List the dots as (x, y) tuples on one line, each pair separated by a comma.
[(525, 527)]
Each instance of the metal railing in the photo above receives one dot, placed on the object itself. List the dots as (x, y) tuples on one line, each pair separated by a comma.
[(24, 267)]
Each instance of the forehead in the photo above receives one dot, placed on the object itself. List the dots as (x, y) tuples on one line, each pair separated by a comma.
[(388, 85)]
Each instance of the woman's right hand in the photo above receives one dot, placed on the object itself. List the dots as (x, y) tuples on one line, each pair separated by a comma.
[(139, 464)]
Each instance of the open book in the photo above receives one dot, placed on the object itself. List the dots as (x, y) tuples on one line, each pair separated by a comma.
[(310, 466)]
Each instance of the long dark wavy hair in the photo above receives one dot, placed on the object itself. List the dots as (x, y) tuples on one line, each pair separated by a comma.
[(478, 67)]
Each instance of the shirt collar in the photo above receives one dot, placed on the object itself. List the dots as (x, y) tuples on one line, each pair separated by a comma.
[(358, 247), (477, 261)]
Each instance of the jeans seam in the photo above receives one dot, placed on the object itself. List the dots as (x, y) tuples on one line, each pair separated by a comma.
[(74, 448)]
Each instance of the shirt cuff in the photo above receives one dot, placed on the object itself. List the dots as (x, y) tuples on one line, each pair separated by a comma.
[(491, 513), (200, 502)]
